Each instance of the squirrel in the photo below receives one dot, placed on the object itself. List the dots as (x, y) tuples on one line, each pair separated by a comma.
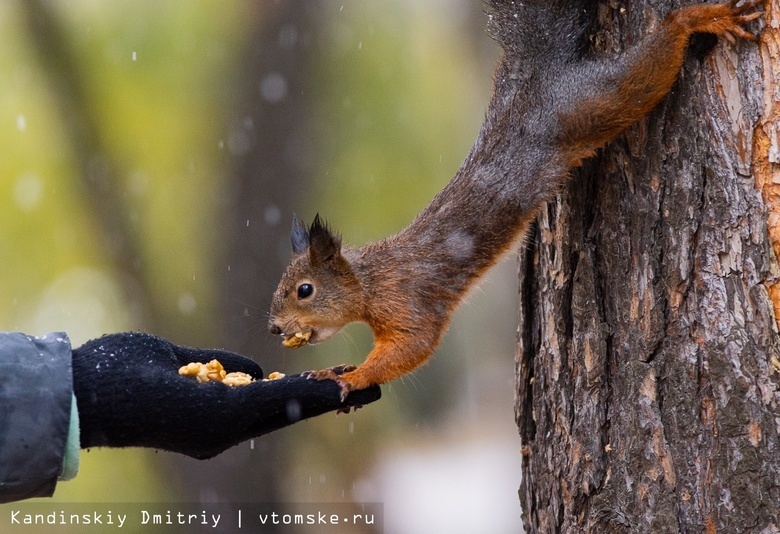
[(553, 105)]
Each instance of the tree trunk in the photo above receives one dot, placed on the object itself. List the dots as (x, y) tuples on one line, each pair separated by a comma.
[(648, 354)]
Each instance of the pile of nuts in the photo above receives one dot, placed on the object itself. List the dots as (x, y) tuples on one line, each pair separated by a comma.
[(213, 371)]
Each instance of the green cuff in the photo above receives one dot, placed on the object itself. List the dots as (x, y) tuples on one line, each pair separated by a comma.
[(70, 463)]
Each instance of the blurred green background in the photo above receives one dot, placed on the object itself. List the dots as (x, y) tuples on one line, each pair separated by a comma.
[(154, 153)]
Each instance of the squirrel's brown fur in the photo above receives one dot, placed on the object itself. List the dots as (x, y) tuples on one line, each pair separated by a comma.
[(552, 106)]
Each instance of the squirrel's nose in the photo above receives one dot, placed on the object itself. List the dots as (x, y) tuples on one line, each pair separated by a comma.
[(275, 330)]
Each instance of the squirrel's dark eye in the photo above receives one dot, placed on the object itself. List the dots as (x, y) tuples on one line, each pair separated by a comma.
[(305, 291)]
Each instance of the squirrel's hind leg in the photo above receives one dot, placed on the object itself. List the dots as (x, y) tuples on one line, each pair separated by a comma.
[(599, 98)]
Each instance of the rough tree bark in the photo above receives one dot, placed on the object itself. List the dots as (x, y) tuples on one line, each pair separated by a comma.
[(648, 356)]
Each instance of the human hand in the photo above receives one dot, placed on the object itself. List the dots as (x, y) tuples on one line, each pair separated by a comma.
[(129, 394)]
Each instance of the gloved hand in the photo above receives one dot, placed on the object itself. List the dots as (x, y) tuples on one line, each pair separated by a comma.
[(129, 394)]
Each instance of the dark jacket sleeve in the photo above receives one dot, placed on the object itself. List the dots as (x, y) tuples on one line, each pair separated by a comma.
[(36, 391)]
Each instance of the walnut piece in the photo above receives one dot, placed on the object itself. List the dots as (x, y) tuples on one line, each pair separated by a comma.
[(204, 372), (237, 379), (299, 339), (213, 371)]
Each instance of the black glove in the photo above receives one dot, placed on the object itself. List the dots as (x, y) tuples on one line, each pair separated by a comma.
[(129, 394)]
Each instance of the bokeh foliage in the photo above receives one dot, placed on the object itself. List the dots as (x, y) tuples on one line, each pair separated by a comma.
[(399, 90)]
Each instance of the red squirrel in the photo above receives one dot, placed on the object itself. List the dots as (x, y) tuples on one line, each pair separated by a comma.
[(553, 105)]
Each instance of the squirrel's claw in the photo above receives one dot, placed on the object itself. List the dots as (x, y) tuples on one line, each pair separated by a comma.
[(334, 373), (742, 15), (347, 409), (329, 373)]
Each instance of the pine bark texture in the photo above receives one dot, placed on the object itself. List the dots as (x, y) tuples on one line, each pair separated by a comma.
[(648, 353)]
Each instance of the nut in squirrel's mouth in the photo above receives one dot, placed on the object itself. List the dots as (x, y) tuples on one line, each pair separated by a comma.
[(298, 339)]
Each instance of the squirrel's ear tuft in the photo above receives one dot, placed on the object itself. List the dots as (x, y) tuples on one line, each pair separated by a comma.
[(324, 244), (299, 236)]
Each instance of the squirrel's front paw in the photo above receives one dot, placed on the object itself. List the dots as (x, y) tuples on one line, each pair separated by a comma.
[(333, 373)]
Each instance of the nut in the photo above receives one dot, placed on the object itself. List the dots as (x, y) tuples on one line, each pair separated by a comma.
[(203, 372), (299, 339), (191, 369), (214, 371), (237, 379)]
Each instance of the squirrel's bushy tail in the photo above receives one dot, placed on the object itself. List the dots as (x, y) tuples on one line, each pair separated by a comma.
[(539, 32)]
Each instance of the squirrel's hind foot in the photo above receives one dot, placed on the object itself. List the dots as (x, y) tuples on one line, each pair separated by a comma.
[(720, 19), (741, 15)]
